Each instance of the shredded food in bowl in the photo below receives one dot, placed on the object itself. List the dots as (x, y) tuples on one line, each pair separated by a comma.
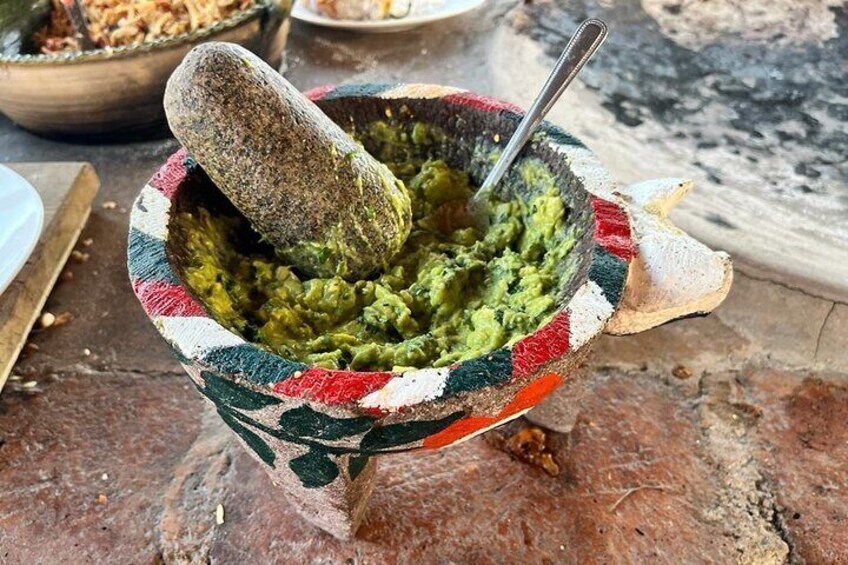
[(114, 23)]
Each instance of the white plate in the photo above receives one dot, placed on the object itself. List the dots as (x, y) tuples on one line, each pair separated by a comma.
[(422, 12), (21, 219)]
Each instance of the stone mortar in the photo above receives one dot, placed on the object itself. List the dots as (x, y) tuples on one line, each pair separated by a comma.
[(317, 431)]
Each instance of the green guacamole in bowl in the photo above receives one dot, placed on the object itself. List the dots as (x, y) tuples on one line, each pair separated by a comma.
[(446, 297)]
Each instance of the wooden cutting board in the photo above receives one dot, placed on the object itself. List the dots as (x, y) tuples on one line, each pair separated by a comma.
[(67, 190)]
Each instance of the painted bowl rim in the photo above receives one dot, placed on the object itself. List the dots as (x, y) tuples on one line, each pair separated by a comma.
[(198, 340), (125, 51)]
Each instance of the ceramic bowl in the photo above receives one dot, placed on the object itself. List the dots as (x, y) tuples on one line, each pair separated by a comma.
[(316, 430), (117, 92)]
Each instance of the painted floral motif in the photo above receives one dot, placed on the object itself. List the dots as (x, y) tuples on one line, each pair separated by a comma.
[(305, 426)]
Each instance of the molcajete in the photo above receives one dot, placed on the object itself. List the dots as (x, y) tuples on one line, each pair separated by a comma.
[(318, 431)]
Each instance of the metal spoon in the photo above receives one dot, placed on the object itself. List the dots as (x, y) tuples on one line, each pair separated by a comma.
[(76, 13), (583, 44)]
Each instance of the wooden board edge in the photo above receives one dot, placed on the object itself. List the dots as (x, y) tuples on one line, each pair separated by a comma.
[(52, 255)]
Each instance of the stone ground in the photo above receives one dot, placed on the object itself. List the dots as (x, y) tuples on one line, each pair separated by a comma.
[(718, 439)]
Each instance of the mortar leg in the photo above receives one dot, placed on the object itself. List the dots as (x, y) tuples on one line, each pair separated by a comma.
[(337, 507), (328, 487)]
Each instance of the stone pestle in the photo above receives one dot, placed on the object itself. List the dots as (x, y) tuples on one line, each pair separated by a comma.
[(324, 203)]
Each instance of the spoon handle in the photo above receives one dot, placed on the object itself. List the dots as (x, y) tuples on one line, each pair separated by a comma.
[(76, 13), (582, 45)]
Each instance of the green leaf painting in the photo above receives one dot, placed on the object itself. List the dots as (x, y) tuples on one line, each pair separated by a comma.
[(393, 435), (256, 443), (315, 469), (305, 426), (222, 391), (305, 422), (355, 465)]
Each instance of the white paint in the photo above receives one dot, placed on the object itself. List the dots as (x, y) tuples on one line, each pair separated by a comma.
[(588, 313), (658, 196), (586, 166), (420, 91), (193, 336), (673, 274), (410, 388), (153, 219)]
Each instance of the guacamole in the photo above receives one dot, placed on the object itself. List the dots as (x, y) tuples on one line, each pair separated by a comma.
[(446, 297)]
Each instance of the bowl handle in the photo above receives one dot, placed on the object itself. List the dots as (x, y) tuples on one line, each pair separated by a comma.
[(672, 275)]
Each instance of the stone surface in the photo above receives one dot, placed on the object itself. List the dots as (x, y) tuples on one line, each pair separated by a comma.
[(758, 124), (745, 467), (802, 445), (736, 462), (759, 321), (85, 462), (790, 338), (742, 82), (830, 350), (517, 510)]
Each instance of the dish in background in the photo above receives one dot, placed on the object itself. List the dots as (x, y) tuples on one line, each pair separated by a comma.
[(356, 9), (115, 23), (418, 13), (112, 93), (21, 220)]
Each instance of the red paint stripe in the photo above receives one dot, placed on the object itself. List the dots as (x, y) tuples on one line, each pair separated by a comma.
[(532, 394), (527, 397), (457, 431), (168, 179), (332, 387), (485, 103), (160, 298), (612, 228), (535, 350), (320, 92)]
